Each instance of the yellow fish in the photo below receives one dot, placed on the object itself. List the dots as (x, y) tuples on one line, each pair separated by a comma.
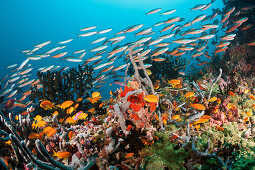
[(198, 106), (95, 94), (62, 155), (55, 113), (189, 94), (70, 110), (52, 132), (203, 119), (70, 135), (79, 99), (149, 72), (252, 97), (38, 118), (174, 82), (91, 110), (175, 117), (8, 142), (41, 123), (75, 106), (47, 129), (249, 113), (33, 136), (151, 98), (129, 155), (66, 104), (101, 105), (70, 120), (156, 87), (93, 100), (212, 99), (46, 104)]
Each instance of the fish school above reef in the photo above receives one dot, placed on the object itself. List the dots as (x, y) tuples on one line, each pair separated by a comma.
[(185, 99)]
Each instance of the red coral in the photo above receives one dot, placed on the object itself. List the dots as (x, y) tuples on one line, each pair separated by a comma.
[(135, 107), (136, 99), (137, 102), (126, 90), (152, 107)]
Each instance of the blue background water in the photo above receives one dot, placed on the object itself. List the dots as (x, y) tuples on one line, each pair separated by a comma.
[(26, 23)]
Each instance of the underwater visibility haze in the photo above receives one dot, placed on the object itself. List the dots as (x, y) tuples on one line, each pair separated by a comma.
[(130, 84)]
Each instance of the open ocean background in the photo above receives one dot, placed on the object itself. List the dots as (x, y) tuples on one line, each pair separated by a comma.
[(26, 23)]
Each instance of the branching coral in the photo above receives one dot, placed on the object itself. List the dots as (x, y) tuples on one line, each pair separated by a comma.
[(62, 86)]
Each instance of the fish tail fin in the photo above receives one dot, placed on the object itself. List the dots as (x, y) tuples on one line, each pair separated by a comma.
[(54, 153)]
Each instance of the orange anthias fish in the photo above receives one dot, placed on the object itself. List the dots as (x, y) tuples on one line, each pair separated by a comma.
[(94, 100), (249, 113), (47, 129), (220, 128), (151, 98), (231, 93), (62, 155), (252, 97), (246, 119), (82, 116), (203, 119), (41, 123), (92, 110), (8, 142), (95, 94), (70, 110), (189, 94), (76, 106), (175, 117), (174, 82), (156, 87), (198, 106), (46, 104), (52, 132), (101, 105), (33, 136), (212, 99), (70, 120), (66, 104), (129, 155), (70, 135), (38, 118), (79, 99)]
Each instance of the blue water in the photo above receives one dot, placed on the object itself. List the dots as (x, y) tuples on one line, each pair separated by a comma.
[(26, 23)]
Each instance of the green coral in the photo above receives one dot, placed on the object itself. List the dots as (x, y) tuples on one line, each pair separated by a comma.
[(164, 154), (244, 158)]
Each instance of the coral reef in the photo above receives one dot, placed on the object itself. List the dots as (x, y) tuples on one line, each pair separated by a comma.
[(184, 124)]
